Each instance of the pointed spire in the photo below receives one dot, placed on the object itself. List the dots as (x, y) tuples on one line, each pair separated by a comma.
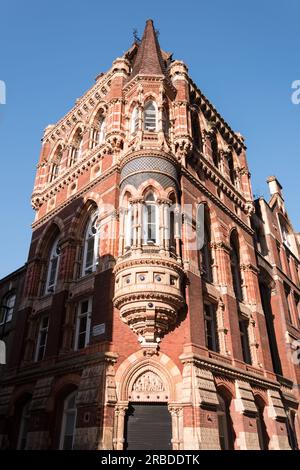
[(149, 57)]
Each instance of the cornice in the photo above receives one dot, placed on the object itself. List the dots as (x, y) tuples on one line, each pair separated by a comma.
[(230, 371), (88, 187), (149, 78), (128, 263), (216, 176), (95, 94), (70, 174), (132, 155), (221, 124), (217, 201)]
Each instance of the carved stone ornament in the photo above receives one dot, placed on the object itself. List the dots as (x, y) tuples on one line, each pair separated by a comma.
[(148, 387)]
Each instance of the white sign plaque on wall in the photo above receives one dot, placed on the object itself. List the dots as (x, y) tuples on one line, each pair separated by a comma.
[(99, 329)]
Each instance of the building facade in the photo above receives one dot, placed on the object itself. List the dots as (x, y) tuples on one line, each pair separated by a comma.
[(156, 311)]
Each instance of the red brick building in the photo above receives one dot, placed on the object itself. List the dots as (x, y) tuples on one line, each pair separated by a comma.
[(128, 334)]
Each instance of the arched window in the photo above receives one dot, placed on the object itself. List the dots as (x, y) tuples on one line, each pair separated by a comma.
[(166, 122), (129, 226), (215, 151), (291, 429), (101, 131), (285, 234), (150, 220), (150, 117), (231, 168), (235, 266), (76, 149), (68, 423), (55, 164), (206, 251), (7, 308), (53, 266), (91, 245), (244, 336), (225, 424), (196, 130), (171, 218), (134, 124), (261, 426), (24, 422)]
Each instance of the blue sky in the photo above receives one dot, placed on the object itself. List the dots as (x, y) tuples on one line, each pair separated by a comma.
[(244, 57)]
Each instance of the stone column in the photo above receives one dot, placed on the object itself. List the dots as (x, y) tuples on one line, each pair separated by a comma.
[(177, 423), (120, 412)]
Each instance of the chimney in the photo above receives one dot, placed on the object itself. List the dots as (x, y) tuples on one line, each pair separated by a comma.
[(274, 186)]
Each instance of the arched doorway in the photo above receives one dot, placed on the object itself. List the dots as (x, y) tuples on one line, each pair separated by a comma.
[(148, 423), (148, 414)]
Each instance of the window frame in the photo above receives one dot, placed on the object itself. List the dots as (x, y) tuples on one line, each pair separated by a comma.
[(88, 236), (8, 309), (101, 130), (54, 256), (42, 329), (79, 316), (151, 116), (154, 221), (25, 417), (245, 340), (211, 327), (65, 412)]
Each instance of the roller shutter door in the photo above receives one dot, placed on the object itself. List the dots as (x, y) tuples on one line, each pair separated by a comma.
[(148, 427)]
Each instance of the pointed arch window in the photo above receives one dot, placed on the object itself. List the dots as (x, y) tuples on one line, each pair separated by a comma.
[(166, 122), (231, 169), (150, 117), (102, 130), (134, 125), (235, 266), (53, 266), (77, 147), (24, 425), (91, 245), (206, 252), (55, 164), (150, 220), (244, 336), (263, 437), (68, 422), (196, 129), (129, 227), (224, 424)]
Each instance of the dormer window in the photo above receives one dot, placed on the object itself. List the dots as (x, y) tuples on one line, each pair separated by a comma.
[(150, 117)]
